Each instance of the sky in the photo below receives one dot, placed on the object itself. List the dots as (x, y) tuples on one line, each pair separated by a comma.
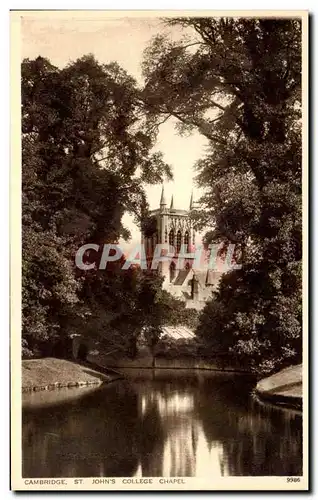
[(63, 40)]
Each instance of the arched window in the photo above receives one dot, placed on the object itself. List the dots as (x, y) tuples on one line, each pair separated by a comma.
[(186, 240), (178, 241), (172, 270), (171, 238)]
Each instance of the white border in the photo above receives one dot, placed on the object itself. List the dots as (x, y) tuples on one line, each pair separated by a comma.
[(95, 5)]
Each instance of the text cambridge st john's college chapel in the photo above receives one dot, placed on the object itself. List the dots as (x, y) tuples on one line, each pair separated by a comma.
[(174, 227)]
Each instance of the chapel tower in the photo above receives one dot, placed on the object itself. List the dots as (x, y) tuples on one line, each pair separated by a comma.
[(168, 225)]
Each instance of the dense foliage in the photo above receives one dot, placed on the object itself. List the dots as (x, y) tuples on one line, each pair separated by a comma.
[(87, 147), (238, 82), (85, 161), (150, 309)]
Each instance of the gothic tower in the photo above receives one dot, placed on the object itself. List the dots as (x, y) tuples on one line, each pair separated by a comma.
[(169, 226)]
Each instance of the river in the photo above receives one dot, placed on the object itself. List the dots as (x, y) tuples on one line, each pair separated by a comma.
[(159, 423)]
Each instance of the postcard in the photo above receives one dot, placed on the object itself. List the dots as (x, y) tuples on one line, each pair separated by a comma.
[(159, 267)]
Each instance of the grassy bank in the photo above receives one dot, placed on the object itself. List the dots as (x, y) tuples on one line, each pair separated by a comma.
[(50, 373)]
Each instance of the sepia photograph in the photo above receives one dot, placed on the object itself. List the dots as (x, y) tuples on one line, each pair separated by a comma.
[(159, 184)]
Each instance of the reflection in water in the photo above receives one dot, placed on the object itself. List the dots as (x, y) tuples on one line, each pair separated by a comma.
[(163, 424)]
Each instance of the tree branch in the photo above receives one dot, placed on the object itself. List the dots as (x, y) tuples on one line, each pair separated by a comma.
[(157, 125), (201, 126), (218, 105), (191, 45)]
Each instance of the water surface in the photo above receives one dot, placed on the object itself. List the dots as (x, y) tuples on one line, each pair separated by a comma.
[(160, 423)]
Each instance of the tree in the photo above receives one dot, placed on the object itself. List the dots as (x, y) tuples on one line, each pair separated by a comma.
[(238, 82), (85, 161), (146, 310)]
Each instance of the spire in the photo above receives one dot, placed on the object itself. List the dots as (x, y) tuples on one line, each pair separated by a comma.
[(171, 204), (191, 200), (163, 198)]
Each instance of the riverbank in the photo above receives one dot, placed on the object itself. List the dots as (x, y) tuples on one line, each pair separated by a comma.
[(52, 373), (283, 388)]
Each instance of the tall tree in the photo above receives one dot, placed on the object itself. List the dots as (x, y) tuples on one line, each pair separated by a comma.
[(85, 160), (238, 82)]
